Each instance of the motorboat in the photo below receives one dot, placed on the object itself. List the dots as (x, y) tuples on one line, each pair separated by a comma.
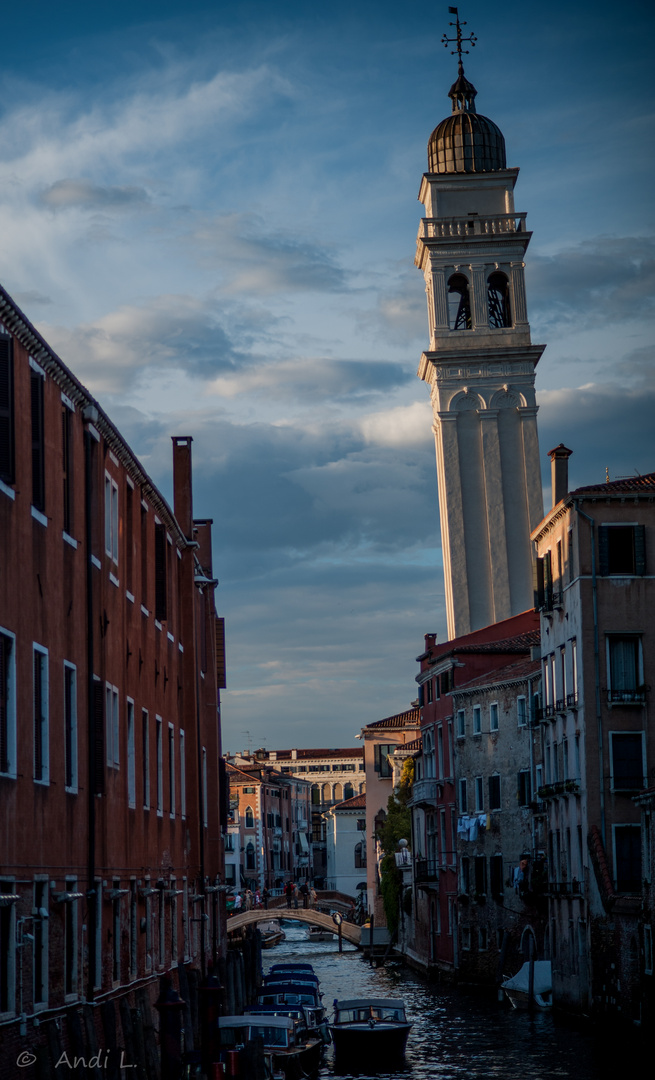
[(518, 987), (370, 1028), (287, 1045), (311, 1016), (317, 933), (271, 932), (304, 977), (291, 966), (289, 993)]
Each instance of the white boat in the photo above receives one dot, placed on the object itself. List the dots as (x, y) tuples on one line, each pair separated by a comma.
[(518, 987), (317, 933)]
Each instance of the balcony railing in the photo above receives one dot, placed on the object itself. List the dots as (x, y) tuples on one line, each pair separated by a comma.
[(572, 700), (424, 791), (546, 712), (425, 871), (627, 697), (560, 787), (432, 228)]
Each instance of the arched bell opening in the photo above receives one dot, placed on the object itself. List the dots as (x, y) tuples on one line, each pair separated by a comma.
[(498, 300), (459, 303)]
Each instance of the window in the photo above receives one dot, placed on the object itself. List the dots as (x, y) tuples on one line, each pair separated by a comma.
[(7, 945), (145, 758), (250, 818), (250, 855), (621, 549), (627, 858), (348, 791), (159, 748), (131, 759), (70, 728), (428, 695), (493, 717), (111, 721), (521, 712), (360, 855), (182, 775), (496, 876), (67, 468), (524, 787), (451, 749), (161, 553), (479, 795), (116, 932), (144, 555), (624, 669), (40, 716), (500, 314), (574, 671), (483, 938), (477, 719), (459, 303), (133, 929), (494, 792), (466, 938), (7, 703), (40, 943), (648, 950), (627, 760), (6, 409), (465, 874), (382, 763), (461, 723), (440, 760), (111, 517), (171, 770), (480, 865), (129, 538), (361, 824), (37, 382), (463, 801)]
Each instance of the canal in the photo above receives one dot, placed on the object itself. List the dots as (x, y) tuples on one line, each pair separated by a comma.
[(457, 1035)]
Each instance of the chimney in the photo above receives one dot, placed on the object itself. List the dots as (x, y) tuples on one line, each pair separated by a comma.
[(182, 492), (559, 472)]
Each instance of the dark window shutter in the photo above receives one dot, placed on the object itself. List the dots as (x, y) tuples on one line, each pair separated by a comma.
[(98, 738), (6, 410), (603, 550), (160, 572), (220, 653), (5, 646), (421, 697), (376, 757), (548, 582), (538, 583), (36, 396), (38, 716), (66, 465), (223, 794), (640, 550)]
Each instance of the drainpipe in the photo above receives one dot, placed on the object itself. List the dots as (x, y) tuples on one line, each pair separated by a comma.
[(91, 797), (599, 718)]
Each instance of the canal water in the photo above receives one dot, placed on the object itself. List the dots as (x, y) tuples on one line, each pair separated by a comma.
[(456, 1035)]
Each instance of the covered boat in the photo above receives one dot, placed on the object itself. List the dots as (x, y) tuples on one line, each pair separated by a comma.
[(317, 933), (518, 987), (287, 1045), (370, 1027)]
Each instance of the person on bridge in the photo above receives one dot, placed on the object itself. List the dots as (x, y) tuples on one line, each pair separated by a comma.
[(304, 892), (312, 897), (288, 892), (265, 896)]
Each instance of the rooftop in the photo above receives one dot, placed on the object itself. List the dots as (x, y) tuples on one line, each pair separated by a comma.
[(411, 718), (358, 802)]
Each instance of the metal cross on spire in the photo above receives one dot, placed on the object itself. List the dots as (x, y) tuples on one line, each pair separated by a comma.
[(459, 40)]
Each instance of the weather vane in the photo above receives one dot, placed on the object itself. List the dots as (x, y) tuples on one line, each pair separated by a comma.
[(459, 40)]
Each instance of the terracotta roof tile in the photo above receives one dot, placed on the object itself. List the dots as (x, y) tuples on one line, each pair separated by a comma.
[(400, 720), (518, 669), (626, 485), (358, 802)]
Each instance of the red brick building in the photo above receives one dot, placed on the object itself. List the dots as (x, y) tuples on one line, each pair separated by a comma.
[(111, 847)]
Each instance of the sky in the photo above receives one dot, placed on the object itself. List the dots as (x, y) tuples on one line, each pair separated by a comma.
[(211, 216)]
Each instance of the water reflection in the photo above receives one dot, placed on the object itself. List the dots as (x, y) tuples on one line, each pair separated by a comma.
[(456, 1035)]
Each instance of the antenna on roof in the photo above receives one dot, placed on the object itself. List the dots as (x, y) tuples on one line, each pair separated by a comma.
[(249, 739), (607, 475)]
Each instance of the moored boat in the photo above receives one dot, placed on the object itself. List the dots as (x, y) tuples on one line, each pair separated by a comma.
[(287, 1045), (370, 1028), (271, 933), (317, 933), (518, 987)]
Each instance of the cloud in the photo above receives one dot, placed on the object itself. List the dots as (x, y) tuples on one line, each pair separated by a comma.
[(264, 261), (603, 279), (31, 296), (312, 378), (86, 195), (175, 333)]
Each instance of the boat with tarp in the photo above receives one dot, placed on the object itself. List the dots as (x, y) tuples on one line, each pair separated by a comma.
[(370, 1028)]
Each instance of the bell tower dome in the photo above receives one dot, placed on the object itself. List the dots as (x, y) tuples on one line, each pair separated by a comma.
[(481, 363)]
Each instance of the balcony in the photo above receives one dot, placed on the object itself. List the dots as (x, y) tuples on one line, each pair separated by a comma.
[(560, 787), (627, 697), (443, 228), (424, 792), (546, 712), (425, 872), (572, 700)]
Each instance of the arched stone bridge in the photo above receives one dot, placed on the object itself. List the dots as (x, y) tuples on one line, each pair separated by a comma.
[(350, 932)]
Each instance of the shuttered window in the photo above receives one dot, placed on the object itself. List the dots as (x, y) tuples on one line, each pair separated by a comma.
[(67, 479), (160, 572), (621, 550), (38, 457), (40, 715), (6, 409)]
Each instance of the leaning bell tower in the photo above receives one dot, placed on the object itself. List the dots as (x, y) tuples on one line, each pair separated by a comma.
[(480, 365)]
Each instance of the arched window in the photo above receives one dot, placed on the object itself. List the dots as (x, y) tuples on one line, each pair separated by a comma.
[(250, 818), (338, 792), (360, 855), (348, 791), (327, 793), (459, 303), (500, 313), (250, 855), (316, 795)]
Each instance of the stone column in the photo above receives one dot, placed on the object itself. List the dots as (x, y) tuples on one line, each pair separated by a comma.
[(452, 524), (479, 296), (517, 281), (533, 494), (495, 508)]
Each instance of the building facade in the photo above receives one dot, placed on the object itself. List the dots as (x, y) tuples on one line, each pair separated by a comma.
[(346, 847), (596, 594), (111, 851), (480, 366)]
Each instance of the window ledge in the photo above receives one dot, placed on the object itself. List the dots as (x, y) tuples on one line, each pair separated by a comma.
[(170, 636), (114, 580), (8, 775), (144, 611), (129, 596), (96, 562), (180, 646), (38, 516), (69, 539), (6, 490), (71, 790), (157, 624)]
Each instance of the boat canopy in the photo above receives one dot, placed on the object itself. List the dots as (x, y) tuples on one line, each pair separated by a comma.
[(358, 1003), (543, 982), (292, 967)]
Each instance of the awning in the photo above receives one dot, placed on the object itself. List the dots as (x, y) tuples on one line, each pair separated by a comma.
[(304, 845)]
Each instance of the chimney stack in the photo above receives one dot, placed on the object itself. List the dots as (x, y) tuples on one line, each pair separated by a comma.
[(182, 490), (559, 472)]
